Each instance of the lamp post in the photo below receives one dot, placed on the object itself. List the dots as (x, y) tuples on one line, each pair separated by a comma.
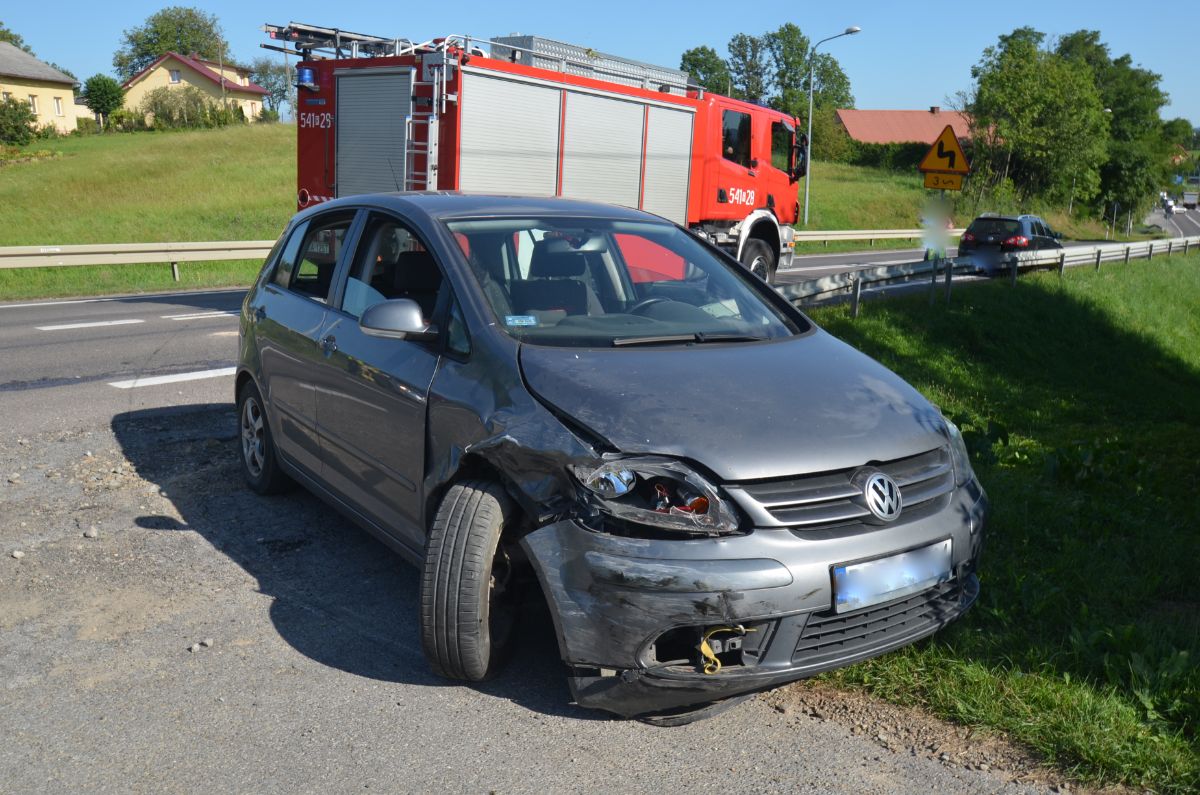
[(850, 31)]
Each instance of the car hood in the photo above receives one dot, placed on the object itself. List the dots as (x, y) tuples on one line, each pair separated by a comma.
[(742, 410)]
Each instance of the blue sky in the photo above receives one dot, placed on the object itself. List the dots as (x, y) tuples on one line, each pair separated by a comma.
[(909, 55)]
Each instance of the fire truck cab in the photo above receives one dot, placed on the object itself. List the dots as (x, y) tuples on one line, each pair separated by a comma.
[(532, 116)]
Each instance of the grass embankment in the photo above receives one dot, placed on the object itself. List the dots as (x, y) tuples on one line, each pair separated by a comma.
[(1078, 399), (235, 183)]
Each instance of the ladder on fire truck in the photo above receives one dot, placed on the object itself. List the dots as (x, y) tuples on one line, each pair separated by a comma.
[(429, 88)]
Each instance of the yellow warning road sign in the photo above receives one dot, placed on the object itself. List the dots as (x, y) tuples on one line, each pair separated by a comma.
[(943, 181), (946, 155)]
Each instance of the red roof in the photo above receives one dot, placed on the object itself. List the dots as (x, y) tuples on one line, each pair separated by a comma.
[(204, 71), (902, 126)]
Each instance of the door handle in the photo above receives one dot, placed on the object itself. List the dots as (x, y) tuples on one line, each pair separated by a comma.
[(259, 313), (328, 344)]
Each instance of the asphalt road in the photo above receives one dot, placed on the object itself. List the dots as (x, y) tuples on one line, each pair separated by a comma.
[(1182, 223)]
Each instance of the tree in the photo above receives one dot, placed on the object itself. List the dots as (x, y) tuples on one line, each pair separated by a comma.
[(748, 67), (1039, 118), (173, 29), (276, 77), (103, 96), (1178, 132), (707, 68), (14, 39), (16, 122)]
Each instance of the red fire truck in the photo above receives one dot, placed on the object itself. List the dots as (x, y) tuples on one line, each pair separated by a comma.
[(525, 115)]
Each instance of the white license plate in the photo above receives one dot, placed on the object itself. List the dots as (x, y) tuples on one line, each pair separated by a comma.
[(872, 582)]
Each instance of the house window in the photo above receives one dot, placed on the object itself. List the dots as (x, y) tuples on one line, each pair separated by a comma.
[(33, 103), (174, 75), (58, 106), (6, 96), (253, 109)]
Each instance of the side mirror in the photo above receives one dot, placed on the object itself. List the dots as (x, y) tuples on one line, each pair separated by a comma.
[(799, 158), (1056, 235), (399, 318)]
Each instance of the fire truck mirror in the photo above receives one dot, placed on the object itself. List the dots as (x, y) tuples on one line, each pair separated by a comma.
[(799, 158)]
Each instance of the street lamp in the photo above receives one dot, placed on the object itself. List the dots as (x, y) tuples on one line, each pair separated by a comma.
[(850, 31)]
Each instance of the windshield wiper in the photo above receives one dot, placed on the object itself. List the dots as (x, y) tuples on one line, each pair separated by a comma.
[(704, 336), (700, 336), (661, 339)]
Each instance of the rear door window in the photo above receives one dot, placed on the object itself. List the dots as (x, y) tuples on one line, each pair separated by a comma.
[(311, 255)]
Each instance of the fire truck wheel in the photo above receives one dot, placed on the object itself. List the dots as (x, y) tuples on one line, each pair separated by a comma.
[(756, 256), (468, 593)]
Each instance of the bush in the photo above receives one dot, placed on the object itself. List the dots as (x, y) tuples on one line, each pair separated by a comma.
[(126, 121), (16, 122), (893, 157), (186, 108), (46, 132), (86, 126), (268, 116)]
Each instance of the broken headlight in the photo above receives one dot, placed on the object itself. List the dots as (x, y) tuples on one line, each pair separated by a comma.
[(659, 492), (958, 454)]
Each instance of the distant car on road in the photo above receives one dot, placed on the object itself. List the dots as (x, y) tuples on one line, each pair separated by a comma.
[(715, 495), (991, 240)]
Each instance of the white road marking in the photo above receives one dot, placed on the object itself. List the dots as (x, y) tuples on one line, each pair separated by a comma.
[(200, 315), (155, 380), (94, 324), (223, 334)]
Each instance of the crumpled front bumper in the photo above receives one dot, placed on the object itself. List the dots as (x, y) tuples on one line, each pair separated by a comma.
[(613, 597)]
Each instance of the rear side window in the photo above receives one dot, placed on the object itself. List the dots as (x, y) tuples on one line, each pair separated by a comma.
[(311, 255), (735, 137)]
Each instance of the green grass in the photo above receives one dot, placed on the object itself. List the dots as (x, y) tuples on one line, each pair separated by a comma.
[(235, 183), (1079, 400)]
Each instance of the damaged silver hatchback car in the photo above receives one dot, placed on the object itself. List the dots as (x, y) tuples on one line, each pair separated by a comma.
[(714, 495)]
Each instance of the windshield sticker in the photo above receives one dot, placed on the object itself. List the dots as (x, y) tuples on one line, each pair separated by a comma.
[(520, 320)]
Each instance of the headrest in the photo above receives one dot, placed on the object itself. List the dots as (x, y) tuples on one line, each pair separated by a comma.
[(554, 258), (416, 272)]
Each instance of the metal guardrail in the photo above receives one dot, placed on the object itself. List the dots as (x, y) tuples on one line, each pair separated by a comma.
[(132, 254), (853, 281), (870, 235)]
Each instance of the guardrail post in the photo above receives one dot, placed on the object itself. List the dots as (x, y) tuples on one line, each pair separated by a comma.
[(1150, 253), (1127, 249), (1185, 246), (1015, 261), (1062, 263), (855, 296), (1097, 259), (175, 270), (949, 270), (1170, 245), (933, 274)]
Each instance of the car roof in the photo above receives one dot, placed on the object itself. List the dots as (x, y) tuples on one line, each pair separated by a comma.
[(997, 217), (443, 205)]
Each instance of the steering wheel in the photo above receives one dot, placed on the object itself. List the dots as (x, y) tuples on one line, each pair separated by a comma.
[(645, 302)]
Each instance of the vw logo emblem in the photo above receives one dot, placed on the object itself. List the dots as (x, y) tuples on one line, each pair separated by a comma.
[(883, 496)]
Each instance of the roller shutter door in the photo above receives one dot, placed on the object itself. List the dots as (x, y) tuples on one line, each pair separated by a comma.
[(372, 111), (508, 141), (668, 163), (602, 149)]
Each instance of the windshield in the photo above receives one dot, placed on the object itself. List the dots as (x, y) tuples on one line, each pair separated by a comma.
[(595, 283)]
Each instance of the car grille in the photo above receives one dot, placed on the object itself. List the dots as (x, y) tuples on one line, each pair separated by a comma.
[(830, 636), (828, 499)]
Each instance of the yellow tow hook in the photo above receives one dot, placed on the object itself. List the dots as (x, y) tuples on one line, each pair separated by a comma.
[(711, 664)]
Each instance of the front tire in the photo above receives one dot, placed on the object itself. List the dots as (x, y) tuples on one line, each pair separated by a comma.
[(757, 258), (260, 463), (468, 596)]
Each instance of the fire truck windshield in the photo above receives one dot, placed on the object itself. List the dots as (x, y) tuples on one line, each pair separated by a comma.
[(595, 282)]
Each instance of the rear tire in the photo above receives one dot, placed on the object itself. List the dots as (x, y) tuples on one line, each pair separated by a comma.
[(468, 595), (757, 258), (260, 463)]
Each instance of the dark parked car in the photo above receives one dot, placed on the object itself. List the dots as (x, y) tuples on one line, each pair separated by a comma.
[(714, 495), (990, 239)]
